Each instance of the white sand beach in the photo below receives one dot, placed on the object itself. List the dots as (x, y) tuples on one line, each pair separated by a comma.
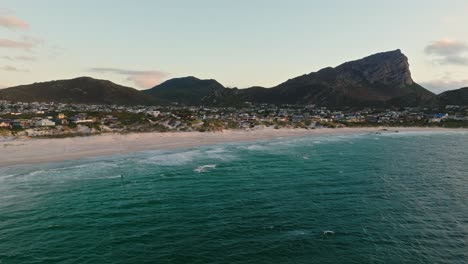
[(28, 151)]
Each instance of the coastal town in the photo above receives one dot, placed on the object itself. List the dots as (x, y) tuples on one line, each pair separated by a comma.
[(20, 119)]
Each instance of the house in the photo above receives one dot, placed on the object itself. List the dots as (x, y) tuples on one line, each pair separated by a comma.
[(297, 118), (154, 113), (83, 121), (62, 122), (109, 119), (80, 119), (43, 123), (441, 116), (4, 124), (372, 118), (21, 123)]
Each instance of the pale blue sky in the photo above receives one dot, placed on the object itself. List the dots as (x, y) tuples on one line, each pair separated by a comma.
[(239, 43)]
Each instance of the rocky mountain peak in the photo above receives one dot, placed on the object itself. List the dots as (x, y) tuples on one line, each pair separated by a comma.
[(388, 68)]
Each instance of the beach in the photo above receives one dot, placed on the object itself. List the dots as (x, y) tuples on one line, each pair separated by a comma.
[(31, 151)]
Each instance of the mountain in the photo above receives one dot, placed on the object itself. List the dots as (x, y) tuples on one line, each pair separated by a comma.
[(83, 90), (378, 80), (454, 97), (186, 90)]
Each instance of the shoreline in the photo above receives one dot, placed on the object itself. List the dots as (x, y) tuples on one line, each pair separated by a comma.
[(33, 151)]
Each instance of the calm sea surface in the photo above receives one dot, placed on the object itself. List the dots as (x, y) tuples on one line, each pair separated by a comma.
[(389, 198)]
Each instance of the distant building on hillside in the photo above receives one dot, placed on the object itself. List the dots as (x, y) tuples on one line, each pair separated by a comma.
[(21, 123), (81, 119), (4, 123), (43, 123)]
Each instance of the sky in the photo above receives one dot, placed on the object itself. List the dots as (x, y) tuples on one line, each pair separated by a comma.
[(239, 43)]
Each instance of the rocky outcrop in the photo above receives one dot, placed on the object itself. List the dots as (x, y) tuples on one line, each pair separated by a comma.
[(388, 68), (378, 80)]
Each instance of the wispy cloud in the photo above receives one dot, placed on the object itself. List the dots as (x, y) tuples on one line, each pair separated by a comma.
[(27, 43), (9, 68), (448, 52), (142, 79), (19, 58), (13, 22)]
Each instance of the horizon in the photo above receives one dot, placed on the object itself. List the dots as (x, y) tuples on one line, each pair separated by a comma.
[(158, 41)]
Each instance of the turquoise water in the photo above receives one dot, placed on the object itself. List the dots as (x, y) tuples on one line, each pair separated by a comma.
[(390, 198)]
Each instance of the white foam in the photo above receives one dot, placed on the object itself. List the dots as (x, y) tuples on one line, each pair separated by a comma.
[(423, 133), (33, 173), (173, 159), (217, 150), (114, 177), (205, 168), (187, 157), (297, 233), (7, 177), (102, 178), (254, 147)]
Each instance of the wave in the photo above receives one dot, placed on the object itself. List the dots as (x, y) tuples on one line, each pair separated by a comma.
[(103, 177), (172, 159), (184, 157), (205, 168), (254, 147), (61, 172), (424, 133)]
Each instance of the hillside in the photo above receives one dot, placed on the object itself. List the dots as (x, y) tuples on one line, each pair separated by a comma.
[(84, 90), (186, 90), (454, 97)]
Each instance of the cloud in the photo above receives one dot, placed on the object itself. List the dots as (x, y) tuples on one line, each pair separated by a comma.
[(27, 43), (446, 47), (12, 69), (19, 58), (448, 52), (12, 22), (446, 82), (142, 79)]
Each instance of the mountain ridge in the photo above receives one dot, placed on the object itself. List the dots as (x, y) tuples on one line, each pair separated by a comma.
[(377, 79), (454, 97), (85, 90), (381, 80)]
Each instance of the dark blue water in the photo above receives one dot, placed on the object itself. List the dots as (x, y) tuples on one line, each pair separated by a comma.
[(391, 198)]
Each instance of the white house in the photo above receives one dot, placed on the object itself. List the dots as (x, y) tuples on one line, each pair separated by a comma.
[(43, 123), (154, 113)]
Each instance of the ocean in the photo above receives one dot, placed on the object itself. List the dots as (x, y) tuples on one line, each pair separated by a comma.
[(383, 198)]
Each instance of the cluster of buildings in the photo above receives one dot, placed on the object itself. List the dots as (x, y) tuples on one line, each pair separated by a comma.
[(183, 118)]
